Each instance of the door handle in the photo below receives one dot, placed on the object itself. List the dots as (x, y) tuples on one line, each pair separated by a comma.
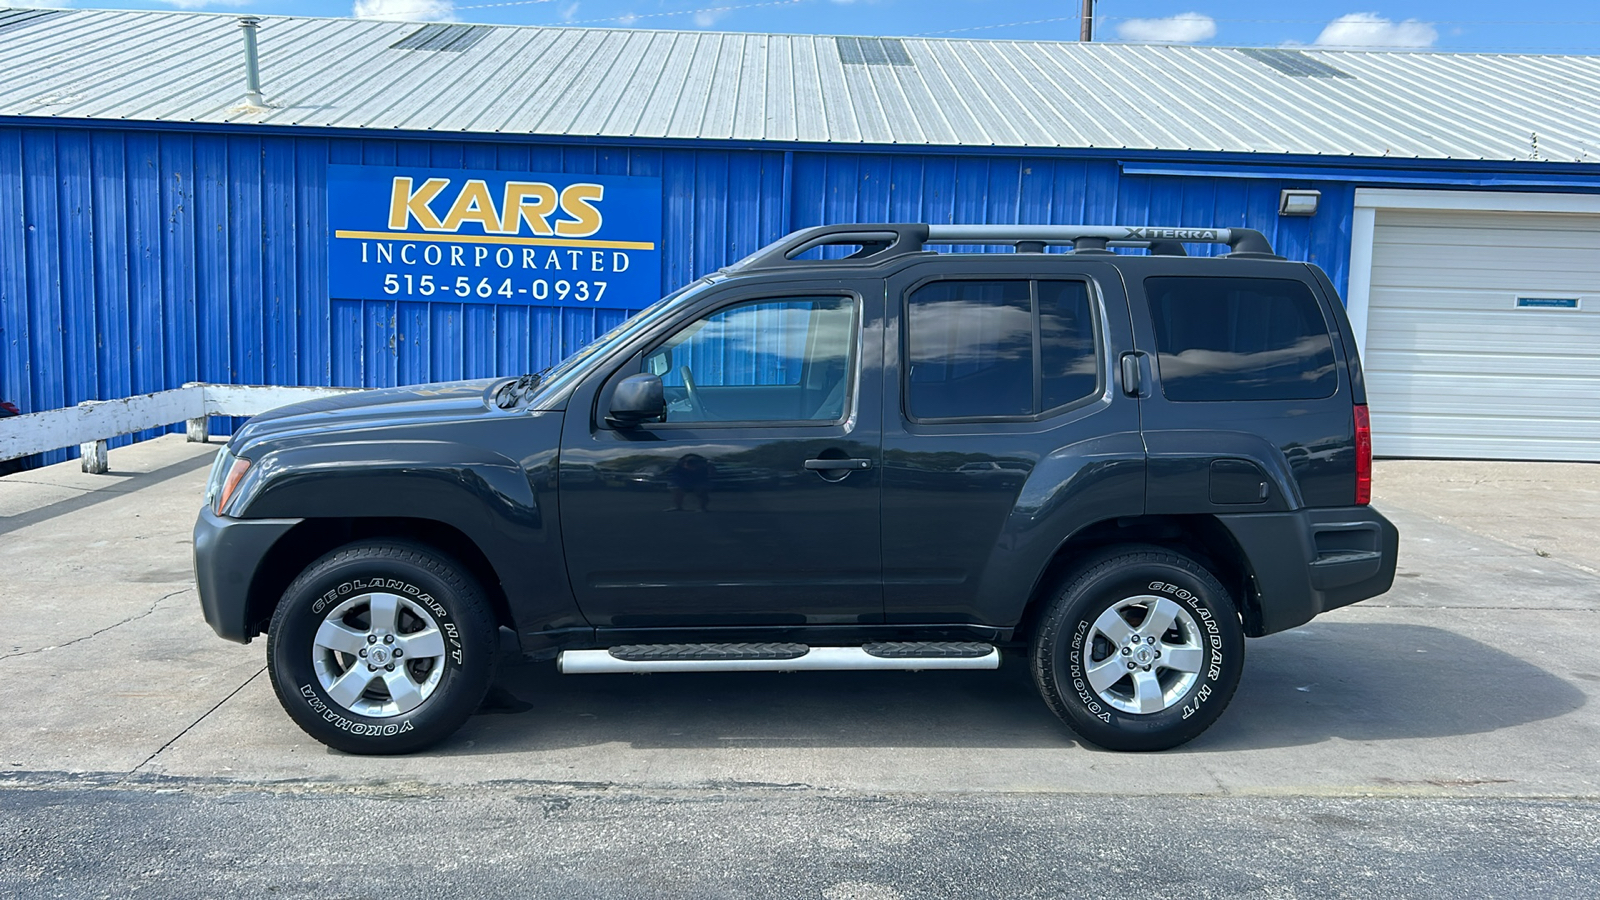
[(833, 465), (1130, 374)]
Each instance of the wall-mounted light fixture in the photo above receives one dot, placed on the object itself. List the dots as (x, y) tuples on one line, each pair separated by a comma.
[(1298, 203)]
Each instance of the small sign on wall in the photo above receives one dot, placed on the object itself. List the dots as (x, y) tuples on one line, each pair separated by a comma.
[(494, 237), (1547, 303)]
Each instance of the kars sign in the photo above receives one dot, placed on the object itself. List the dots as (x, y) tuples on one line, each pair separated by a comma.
[(494, 237)]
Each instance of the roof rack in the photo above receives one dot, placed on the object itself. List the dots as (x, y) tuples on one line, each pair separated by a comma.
[(880, 242)]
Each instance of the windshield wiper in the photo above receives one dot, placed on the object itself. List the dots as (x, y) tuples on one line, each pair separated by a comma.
[(513, 392)]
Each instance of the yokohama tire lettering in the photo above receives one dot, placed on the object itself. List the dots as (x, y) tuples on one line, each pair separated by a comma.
[(344, 724), (1075, 672)]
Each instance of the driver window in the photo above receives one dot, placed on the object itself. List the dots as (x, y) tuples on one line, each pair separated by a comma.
[(781, 360)]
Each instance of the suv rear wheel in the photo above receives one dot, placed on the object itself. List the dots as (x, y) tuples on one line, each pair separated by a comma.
[(381, 647), (1140, 650)]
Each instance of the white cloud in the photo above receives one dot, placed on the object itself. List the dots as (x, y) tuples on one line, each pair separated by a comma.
[(1373, 30), (706, 18), (406, 10), (1183, 28), (569, 13)]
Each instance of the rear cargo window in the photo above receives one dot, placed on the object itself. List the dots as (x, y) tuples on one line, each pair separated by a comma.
[(1240, 339)]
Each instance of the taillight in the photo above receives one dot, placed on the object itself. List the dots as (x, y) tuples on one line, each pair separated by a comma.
[(229, 483), (1363, 456)]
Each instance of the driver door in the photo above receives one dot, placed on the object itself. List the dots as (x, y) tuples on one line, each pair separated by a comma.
[(756, 502)]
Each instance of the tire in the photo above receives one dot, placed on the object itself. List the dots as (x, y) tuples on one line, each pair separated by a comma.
[(1098, 669), (424, 674)]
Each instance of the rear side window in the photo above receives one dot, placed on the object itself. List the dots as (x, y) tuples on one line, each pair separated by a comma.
[(1240, 339), (999, 349)]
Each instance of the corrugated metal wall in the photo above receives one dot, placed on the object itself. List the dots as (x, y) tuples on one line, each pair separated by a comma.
[(136, 260)]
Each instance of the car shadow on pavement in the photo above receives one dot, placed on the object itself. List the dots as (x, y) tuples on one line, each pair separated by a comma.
[(1354, 681), (1378, 682), (766, 709)]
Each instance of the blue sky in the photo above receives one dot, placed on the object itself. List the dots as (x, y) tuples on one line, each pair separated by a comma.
[(1551, 26)]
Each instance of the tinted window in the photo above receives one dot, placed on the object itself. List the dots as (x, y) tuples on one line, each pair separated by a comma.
[(1240, 339), (971, 349), (1068, 364), (995, 349), (765, 361)]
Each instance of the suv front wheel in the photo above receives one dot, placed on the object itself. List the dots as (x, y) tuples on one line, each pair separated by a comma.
[(1140, 650), (381, 647)]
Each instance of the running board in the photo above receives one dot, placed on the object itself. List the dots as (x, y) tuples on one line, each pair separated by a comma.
[(884, 655)]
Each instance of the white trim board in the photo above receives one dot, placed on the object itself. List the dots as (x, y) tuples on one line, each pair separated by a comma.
[(1363, 225)]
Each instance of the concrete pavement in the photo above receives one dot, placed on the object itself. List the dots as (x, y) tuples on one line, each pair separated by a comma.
[(1471, 683), (1473, 676), (1547, 508)]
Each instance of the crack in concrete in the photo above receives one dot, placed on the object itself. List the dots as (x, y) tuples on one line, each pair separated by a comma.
[(161, 749), (651, 792), (97, 633)]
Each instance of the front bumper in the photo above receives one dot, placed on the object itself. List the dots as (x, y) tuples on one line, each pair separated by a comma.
[(1309, 561), (228, 553)]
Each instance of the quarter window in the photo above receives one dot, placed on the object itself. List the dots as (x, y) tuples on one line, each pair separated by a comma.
[(1068, 366), (999, 349), (1220, 339)]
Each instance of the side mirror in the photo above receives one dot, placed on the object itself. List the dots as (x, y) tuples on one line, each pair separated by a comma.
[(637, 399)]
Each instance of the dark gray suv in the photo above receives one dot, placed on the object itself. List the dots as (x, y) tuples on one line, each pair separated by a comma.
[(847, 451)]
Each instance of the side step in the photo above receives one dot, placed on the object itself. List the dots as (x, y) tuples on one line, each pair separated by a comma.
[(882, 655)]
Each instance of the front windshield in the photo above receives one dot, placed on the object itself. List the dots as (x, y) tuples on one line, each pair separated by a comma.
[(568, 370)]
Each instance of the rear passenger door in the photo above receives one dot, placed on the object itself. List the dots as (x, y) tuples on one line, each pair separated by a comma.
[(1249, 409), (1005, 428)]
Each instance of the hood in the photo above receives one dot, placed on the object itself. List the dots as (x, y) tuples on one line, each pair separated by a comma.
[(379, 408)]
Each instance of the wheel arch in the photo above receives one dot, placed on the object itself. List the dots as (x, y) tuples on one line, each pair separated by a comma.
[(1200, 537), (313, 538)]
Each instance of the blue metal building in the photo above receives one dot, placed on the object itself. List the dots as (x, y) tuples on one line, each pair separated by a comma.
[(158, 228)]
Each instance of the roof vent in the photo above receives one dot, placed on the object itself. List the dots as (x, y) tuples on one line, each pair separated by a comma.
[(873, 52), (11, 18), (1295, 64), (443, 38), (252, 63)]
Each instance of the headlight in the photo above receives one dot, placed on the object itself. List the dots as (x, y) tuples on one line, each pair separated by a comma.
[(226, 472), (219, 468)]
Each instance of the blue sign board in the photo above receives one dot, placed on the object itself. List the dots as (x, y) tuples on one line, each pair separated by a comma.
[(1547, 302), (494, 237)]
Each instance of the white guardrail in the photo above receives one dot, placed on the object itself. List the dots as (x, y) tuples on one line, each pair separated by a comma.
[(91, 423)]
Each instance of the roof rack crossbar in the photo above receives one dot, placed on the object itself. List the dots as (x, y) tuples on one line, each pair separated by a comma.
[(1245, 242), (877, 242)]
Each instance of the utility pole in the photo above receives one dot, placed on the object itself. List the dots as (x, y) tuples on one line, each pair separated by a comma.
[(1086, 31)]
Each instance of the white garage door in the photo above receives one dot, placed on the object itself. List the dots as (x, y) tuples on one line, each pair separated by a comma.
[(1483, 335)]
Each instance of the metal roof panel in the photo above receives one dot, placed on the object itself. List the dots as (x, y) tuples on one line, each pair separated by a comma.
[(187, 67)]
